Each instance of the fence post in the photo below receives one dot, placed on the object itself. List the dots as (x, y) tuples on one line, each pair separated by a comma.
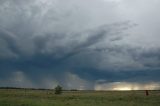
[(147, 93)]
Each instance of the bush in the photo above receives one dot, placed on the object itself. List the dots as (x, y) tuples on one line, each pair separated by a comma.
[(58, 89)]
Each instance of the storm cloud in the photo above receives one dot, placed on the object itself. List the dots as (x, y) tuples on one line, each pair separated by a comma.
[(91, 44)]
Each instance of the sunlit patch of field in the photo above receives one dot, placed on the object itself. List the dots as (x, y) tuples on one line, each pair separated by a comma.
[(21, 97)]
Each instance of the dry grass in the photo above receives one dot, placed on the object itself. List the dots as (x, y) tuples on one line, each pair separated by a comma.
[(78, 98)]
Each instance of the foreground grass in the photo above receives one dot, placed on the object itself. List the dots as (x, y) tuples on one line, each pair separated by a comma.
[(78, 98)]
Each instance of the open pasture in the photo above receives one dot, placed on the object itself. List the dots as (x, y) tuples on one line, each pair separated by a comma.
[(21, 97)]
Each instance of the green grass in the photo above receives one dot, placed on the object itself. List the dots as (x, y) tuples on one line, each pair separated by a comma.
[(78, 98)]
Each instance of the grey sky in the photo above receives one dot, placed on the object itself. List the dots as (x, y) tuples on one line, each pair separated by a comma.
[(58, 41)]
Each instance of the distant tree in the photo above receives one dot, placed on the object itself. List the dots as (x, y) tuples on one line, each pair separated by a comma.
[(73, 90), (58, 89)]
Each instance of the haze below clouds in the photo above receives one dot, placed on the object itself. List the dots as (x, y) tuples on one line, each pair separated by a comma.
[(78, 43)]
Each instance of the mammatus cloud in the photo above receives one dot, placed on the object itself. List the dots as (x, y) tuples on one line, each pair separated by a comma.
[(75, 44)]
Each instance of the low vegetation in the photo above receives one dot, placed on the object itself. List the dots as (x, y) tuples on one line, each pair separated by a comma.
[(31, 97)]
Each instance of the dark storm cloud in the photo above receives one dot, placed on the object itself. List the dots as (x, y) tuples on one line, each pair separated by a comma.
[(44, 43)]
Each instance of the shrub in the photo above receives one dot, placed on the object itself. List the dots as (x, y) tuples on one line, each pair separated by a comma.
[(58, 89)]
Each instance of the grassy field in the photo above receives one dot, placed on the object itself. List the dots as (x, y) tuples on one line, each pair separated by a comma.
[(21, 97)]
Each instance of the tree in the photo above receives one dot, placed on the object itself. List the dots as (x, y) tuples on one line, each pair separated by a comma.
[(58, 89)]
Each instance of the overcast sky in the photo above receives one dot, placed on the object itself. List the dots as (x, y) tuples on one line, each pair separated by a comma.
[(80, 44)]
